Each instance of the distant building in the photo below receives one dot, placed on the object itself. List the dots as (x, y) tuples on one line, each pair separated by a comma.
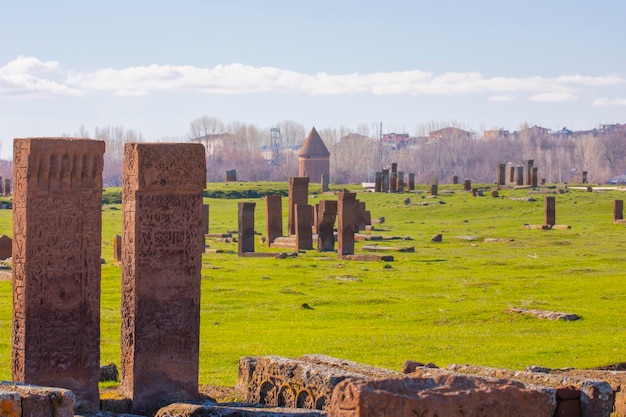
[(497, 134), (313, 158), (532, 132), (449, 133), (214, 142), (396, 140)]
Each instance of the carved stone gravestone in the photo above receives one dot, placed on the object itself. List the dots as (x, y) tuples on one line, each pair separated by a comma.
[(618, 210), (501, 177), (273, 218), (385, 180), (245, 222), (162, 245), (411, 181), (304, 227), (57, 229), (327, 213), (298, 194), (550, 211), (345, 223), (520, 176), (378, 182)]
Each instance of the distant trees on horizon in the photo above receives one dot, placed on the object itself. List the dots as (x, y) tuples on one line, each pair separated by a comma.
[(357, 153)]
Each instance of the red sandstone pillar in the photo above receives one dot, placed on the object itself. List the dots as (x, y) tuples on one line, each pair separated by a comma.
[(57, 232), (162, 245)]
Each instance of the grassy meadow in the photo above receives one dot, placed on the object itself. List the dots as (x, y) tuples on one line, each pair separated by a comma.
[(444, 303)]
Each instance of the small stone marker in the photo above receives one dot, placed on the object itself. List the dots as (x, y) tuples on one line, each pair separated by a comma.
[(304, 227), (501, 174), (411, 181), (231, 175), (298, 194), (378, 182), (385, 180), (205, 219), (520, 176), (273, 218), (550, 211), (6, 247), (455, 180), (437, 238), (7, 186), (618, 210), (467, 185), (325, 182), (393, 182), (400, 185), (529, 171), (345, 223), (433, 189), (117, 249), (245, 222), (327, 213)]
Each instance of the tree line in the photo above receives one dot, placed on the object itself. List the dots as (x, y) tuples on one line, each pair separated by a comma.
[(357, 153)]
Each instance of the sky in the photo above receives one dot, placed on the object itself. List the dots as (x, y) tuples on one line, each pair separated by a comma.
[(155, 66)]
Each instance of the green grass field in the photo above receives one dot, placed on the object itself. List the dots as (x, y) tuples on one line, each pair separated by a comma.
[(444, 303)]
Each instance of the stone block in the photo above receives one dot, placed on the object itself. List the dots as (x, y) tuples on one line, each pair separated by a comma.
[(446, 395), (305, 382), (233, 410), (596, 397), (37, 401)]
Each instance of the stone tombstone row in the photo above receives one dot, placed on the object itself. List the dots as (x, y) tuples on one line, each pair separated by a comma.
[(56, 292)]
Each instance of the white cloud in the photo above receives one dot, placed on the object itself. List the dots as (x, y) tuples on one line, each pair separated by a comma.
[(17, 78), (21, 76), (502, 98), (609, 102), (553, 97)]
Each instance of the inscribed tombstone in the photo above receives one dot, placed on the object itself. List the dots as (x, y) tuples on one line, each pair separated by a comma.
[(273, 218), (57, 228), (162, 246), (298, 194)]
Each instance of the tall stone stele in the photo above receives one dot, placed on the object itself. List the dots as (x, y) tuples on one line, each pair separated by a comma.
[(57, 234), (162, 245), (313, 158)]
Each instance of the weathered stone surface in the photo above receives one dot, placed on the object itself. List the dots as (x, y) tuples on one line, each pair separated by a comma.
[(327, 213), (37, 401), (109, 373), (616, 379), (368, 257), (304, 227), (618, 210), (117, 248), (298, 194), (245, 223), (345, 223), (233, 410), (374, 248), (273, 218), (550, 211), (385, 180), (57, 224), (162, 245), (437, 395), (306, 382), (11, 404), (6, 247), (378, 182), (437, 238), (596, 397)]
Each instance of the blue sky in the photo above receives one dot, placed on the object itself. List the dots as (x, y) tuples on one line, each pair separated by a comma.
[(154, 66)]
